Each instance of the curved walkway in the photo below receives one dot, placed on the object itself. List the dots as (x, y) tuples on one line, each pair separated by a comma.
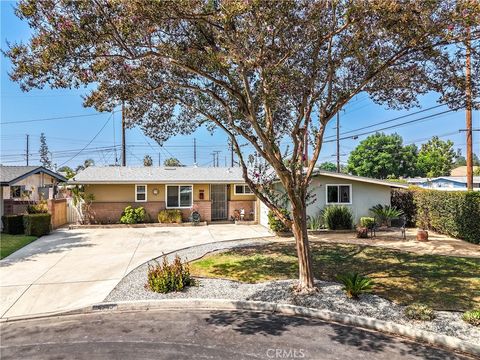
[(74, 268), (214, 334)]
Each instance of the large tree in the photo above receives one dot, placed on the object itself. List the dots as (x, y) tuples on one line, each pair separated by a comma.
[(44, 152), (382, 156), (436, 158), (263, 72)]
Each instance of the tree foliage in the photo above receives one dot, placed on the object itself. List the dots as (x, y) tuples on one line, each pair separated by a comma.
[(328, 166), (147, 160), (264, 72), (44, 153), (86, 163), (172, 162), (436, 158)]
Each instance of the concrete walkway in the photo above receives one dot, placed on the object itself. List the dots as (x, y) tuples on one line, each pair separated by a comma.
[(73, 268)]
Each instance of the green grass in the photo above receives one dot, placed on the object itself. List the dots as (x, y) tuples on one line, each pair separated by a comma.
[(442, 282), (11, 243)]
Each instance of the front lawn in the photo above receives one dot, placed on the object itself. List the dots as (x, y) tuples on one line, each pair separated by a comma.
[(11, 243), (443, 282)]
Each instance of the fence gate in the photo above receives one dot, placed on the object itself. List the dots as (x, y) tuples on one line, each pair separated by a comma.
[(72, 214), (218, 194)]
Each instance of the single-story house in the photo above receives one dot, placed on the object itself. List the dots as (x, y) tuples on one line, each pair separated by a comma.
[(217, 193), (22, 184), (445, 183), (331, 188), (461, 170)]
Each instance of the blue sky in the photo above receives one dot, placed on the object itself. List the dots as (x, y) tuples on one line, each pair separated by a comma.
[(66, 137)]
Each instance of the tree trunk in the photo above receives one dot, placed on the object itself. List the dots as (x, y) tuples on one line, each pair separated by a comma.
[(299, 229)]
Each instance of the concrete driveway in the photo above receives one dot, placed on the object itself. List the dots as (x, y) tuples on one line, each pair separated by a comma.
[(73, 268)]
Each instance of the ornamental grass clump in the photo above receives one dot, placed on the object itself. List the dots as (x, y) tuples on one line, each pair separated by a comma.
[(355, 284), (472, 317), (337, 217), (420, 312), (165, 277)]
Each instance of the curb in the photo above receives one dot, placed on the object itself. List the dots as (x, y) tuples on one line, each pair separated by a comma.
[(391, 328)]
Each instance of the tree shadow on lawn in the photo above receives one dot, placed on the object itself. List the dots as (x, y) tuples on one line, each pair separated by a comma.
[(290, 329)]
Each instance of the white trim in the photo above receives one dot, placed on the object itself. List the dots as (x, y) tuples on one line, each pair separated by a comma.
[(242, 194), (338, 203), (178, 196), (136, 192)]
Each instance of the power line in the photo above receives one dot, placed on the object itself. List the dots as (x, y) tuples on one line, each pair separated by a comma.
[(52, 118)]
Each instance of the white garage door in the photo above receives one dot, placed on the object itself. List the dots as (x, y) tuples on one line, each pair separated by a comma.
[(263, 214)]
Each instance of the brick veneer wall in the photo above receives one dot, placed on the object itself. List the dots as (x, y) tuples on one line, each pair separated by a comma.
[(248, 205)]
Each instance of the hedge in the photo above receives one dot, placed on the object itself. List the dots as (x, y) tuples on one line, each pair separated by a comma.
[(13, 224), (454, 213), (37, 224), (403, 199)]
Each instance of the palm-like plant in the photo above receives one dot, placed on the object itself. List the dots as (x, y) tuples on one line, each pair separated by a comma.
[(355, 284), (386, 213)]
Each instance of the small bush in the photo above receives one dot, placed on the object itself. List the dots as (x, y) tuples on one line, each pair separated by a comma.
[(40, 208), (165, 277), (314, 222), (472, 317), (419, 312), (133, 215), (367, 222), (37, 224), (275, 223), (170, 216), (337, 217), (13, 224), (355, 284)]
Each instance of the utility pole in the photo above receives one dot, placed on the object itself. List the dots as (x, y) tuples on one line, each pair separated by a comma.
[(124, 152), (338, 141), (468, 113), (28, 150), (213, 159), (194, 151), (216, 152), (159, 160), (231, 155)]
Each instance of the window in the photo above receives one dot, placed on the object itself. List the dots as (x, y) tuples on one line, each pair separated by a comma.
[(242, 190), (339, 194), (140, 193), (179, 196), (15, 192)]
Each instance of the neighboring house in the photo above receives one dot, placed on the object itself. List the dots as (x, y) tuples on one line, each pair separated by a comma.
[(446, 183), (461, 171), (21, 184), (356, 192), (217, 193)]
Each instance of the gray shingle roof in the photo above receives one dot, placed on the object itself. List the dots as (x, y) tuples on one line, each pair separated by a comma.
[(150, 174), (12, 174)]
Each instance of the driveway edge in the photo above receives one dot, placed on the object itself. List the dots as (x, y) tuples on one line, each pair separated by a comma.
[(391, 328)]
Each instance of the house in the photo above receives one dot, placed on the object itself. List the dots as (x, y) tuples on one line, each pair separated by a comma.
[(462, 171), (445, 183), (24, 184), (217, 193), (356, 192)]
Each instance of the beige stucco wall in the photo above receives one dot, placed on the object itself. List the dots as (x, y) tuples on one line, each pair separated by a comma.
[(196, 191), (233, 196), (363, 197), (31, 183)]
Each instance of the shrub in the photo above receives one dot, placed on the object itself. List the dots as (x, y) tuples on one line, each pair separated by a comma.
[(453, 213), (472, 317), (314, 222), (367, 222), (13, 224), (337, 217), (165, 277), (170, 216), (133, 215), (37, 224), (403, 199), (386, 213), (355, 284), (275, 223), (419, 312), (40, 208)]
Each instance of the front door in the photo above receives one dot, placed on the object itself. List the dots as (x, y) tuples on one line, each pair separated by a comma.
[(218, 194)]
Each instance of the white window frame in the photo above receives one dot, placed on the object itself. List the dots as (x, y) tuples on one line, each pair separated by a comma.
[(244, 186), (338, 186), (178, 196), (136, 192)]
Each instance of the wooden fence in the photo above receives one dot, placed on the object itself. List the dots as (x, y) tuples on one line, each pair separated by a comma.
[(58, 209)]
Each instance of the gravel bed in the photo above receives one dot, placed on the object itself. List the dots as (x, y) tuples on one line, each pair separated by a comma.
[(329, 297)]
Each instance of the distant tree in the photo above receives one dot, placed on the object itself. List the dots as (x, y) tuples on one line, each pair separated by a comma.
[(68, 171), (86, 163), (147, 160), (476, 160), (460, 159), (436, 158), (43, 151), (476, 172), (328, 166), (381, 156), (172, 162)]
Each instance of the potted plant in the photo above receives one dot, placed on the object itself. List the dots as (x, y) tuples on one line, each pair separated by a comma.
[(422, 233)]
